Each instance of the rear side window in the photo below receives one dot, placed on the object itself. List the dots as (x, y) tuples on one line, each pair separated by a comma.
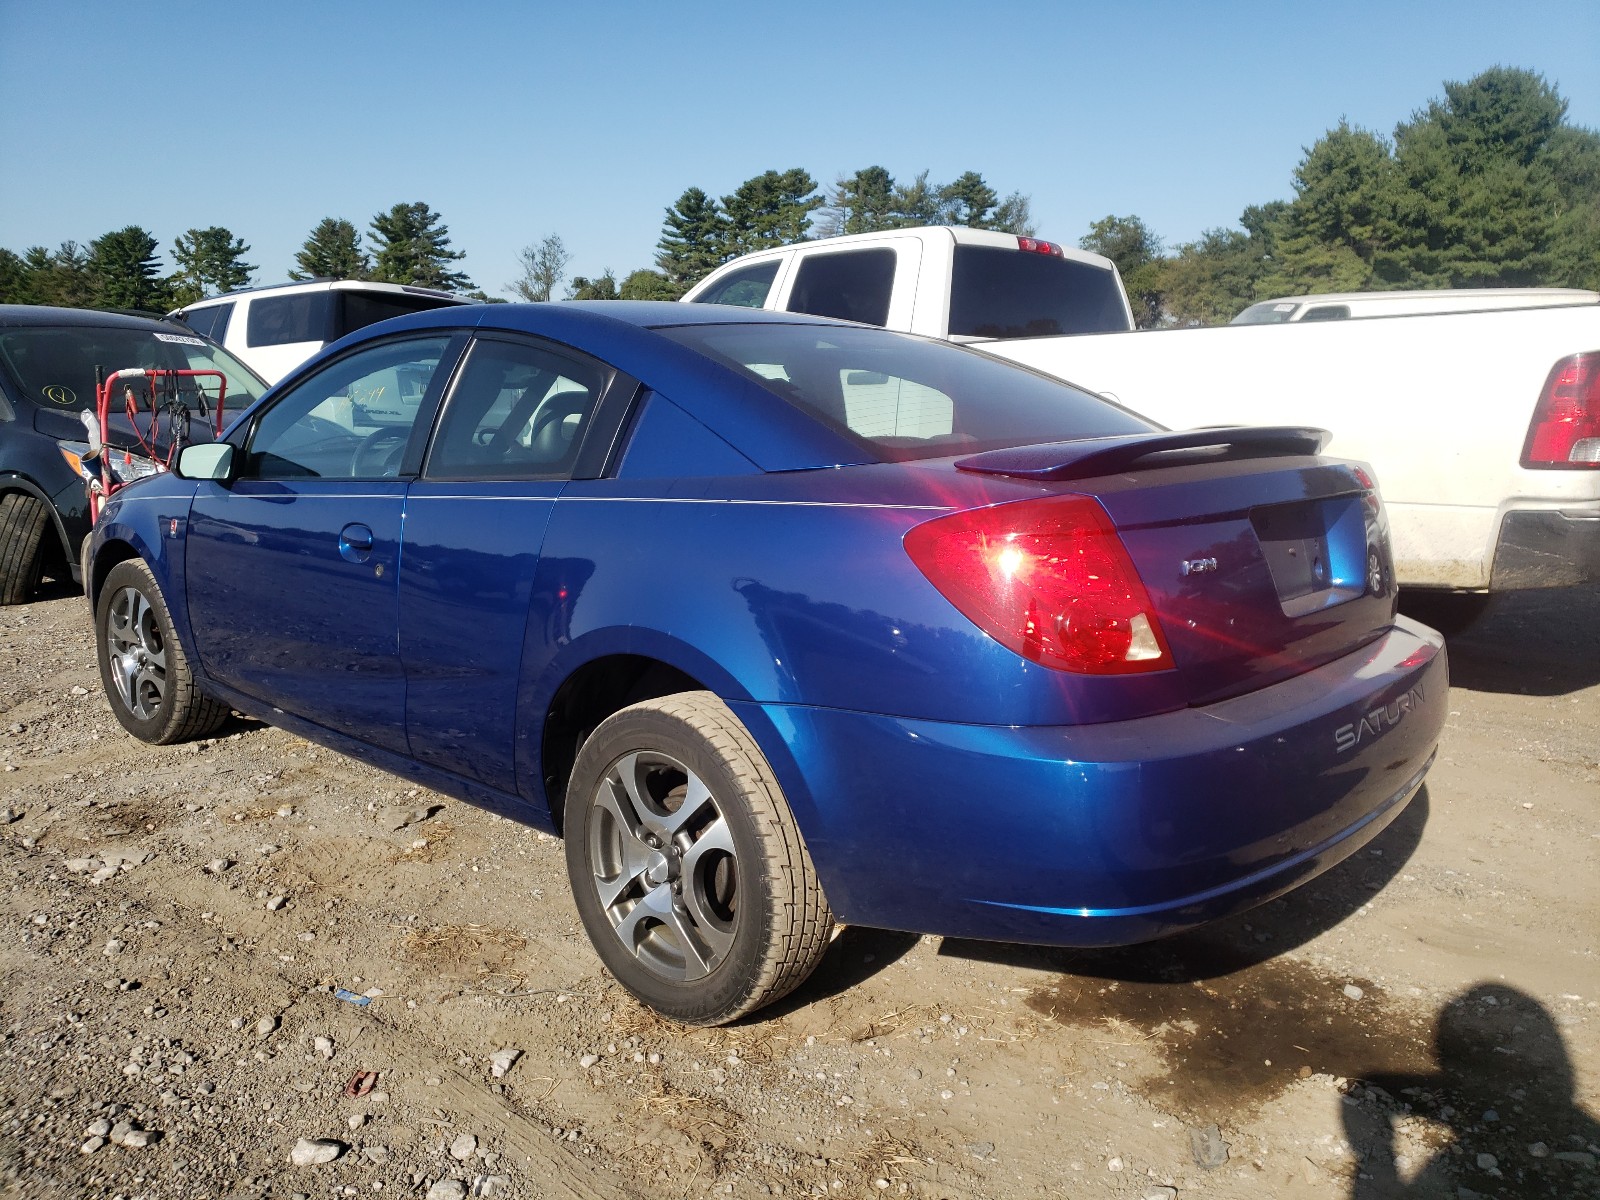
[(1001, 293), (907, 397), (747, 288), (516, 411), (1327, 312), (210, 321), (852, 286), (357, 310), (280, 320)]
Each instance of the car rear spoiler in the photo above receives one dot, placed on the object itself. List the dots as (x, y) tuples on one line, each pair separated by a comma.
[(1089, 457)]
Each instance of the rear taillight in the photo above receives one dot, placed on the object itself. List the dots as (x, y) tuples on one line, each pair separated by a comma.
[(1050, 579), (1566, 422)]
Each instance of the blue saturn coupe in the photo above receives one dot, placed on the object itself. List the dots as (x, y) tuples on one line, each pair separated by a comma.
[(782, 621)]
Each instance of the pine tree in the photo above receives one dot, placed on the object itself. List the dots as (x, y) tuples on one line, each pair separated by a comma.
[(209, 261), (770, 209), (968, 200), (124, 267), (412, 245), (694, 239), (333, 251)]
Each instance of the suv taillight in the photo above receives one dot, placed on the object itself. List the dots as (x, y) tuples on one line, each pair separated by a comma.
[(1566, 422), (1049, 579)]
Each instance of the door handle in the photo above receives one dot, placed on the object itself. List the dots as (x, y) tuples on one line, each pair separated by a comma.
[(355, 543)]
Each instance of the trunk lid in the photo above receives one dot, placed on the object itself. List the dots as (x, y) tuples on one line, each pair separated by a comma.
[(1261, 561)]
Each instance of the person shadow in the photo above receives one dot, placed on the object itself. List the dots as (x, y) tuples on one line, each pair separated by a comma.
[(1499, 1118)]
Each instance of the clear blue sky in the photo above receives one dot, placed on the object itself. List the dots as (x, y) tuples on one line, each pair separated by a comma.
[(515, 120)]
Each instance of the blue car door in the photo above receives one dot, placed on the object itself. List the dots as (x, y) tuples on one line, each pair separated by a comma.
[(291, 567), (519, 421)]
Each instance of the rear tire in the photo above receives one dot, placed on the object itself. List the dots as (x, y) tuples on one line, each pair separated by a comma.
[(143, 667), (24, 519), (687, 866)]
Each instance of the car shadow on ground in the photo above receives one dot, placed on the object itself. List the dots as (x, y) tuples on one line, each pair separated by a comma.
[(1539, 643), (856, 955)]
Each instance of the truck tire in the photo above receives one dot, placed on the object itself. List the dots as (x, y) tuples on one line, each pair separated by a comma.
[(23, 522), (687, 866)]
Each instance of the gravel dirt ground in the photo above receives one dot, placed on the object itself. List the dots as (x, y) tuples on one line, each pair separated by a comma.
[(252, 968)]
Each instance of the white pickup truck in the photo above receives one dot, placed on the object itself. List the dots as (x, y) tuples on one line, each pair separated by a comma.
[(1482, 427)]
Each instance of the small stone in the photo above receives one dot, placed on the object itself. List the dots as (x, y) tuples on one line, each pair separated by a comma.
[(1207, 1147), (501, 1061), (375, 1154), (102, 1127), (323, 1046), (121, 1130), (447, 1189), (980, 1149), (588, 1060), (218, 866), (1489, 1114), (266, 1027), (8, 815), (90, 1146), (1160, 1193), (112, 948), (462, 1148), (310, 1152), (82, 866), (1353, 992), (79, 690), (1114, 1163), (138, 1139), (286, 810), (1537, 1150), (356, 1120), (1487, 1162), (277, 902), (1579, 1158)]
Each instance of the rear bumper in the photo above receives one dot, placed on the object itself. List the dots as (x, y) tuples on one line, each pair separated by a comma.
[(1109, 834), (1537, 549)]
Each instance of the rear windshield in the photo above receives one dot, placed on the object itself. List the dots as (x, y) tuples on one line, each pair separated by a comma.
[(54, 366), (357, 310), (1001, 293), (907, 397)]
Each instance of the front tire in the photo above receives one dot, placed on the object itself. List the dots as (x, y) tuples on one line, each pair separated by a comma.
[(687, 866), (23, 523), (143, 668)]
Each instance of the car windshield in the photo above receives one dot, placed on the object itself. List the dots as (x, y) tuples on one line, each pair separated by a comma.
[(1268, 312), (907, 397), (54, 365)]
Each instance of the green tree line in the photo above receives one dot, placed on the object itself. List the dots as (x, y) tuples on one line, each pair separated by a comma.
[(1486, 186), (408, 244)]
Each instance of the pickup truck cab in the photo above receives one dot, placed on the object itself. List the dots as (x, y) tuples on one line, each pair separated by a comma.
[(949, 282), (1482, 427)]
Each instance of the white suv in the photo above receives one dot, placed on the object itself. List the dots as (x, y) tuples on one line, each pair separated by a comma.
[(275, 329)]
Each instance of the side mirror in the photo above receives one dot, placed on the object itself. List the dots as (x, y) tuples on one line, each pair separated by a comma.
[(209, 460)]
